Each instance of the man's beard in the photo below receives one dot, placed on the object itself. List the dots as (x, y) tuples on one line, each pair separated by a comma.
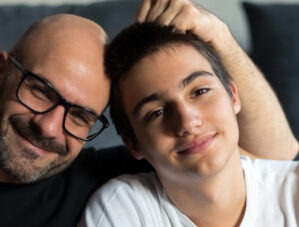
[(18, 165)]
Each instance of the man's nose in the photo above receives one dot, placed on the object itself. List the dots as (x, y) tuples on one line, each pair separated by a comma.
[(50, 124)]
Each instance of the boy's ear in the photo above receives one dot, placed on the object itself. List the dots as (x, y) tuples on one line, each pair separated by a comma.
[(133, 146), (235, 98)]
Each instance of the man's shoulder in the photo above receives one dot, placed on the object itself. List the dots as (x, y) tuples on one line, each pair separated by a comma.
[(108, 162)]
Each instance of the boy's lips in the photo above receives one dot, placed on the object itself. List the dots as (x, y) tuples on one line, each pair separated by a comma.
[(197, 145)]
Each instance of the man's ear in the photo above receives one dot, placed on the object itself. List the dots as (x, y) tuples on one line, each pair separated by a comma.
[(3, 67), (133, 146), (235, 98), (3, 60)]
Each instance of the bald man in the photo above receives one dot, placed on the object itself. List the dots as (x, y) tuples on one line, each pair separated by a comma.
[(50, 82), (53, 91)]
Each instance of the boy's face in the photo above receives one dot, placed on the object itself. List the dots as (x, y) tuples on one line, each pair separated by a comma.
[(183, 118)]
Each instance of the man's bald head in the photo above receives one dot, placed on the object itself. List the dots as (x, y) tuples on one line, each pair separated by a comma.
[(71, 45), (58, 32)]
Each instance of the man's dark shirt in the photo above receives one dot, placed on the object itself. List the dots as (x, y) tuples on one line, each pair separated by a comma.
[(60, 199)]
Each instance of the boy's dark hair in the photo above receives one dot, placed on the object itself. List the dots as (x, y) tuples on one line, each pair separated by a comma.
[(139, 41)]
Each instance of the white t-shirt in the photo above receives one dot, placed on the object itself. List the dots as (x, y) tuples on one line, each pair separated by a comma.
[(139, 200)]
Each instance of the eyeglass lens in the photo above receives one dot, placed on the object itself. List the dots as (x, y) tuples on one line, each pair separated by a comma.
[(40, 97)]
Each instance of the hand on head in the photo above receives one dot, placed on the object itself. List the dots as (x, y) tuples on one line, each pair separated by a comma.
[(185, 16)]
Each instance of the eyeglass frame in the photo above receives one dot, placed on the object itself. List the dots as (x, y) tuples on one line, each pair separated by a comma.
[(61, 101)]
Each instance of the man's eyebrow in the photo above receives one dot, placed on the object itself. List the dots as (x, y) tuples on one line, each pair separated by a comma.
[(54, 88), (194, 75), (156, 96)]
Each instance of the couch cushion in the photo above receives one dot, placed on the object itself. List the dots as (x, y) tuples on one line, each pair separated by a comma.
[(275, 49), (111, 15)]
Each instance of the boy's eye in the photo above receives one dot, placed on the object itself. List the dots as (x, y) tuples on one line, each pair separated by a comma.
[(200, 91), (153, 115)]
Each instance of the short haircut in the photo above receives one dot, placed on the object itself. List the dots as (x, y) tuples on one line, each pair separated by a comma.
[(141, 40)]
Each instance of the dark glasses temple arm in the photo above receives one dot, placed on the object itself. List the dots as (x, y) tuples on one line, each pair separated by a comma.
[(16, 63)]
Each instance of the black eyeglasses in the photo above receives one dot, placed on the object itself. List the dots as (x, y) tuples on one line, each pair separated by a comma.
[(41, 97)]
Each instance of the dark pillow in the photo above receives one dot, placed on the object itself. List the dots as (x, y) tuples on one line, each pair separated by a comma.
[(111, 15), (275, 49)]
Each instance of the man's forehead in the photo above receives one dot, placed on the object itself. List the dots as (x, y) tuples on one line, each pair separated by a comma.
[(62, 32)]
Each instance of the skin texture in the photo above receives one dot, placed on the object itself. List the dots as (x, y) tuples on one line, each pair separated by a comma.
[(261, 115), (188, 132), (67, 51)]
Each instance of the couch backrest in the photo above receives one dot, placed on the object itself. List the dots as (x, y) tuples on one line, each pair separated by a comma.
[(111, 15)]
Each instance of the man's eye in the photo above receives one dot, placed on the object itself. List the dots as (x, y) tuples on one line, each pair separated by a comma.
[(200, 91), (81, 118), (153, 115), (40, 92)]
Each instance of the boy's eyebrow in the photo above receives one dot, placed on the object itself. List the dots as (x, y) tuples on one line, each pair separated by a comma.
[(156, 96), (147, 99), (186, 81)]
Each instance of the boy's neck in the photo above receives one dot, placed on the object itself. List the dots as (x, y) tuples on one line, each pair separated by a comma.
[(219, 200)]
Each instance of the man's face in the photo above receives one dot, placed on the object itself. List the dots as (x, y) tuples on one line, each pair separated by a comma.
[(35, 146), (183, 118)]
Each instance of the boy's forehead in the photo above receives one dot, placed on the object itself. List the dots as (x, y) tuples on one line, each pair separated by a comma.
[(176, 67)]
